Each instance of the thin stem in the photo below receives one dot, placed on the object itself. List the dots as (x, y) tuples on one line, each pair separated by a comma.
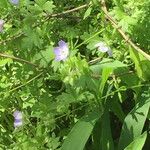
[(67, 11), (20, 86), (97, 33), (18, 59)]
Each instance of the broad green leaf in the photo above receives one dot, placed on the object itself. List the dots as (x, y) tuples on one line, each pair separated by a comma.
[(106, 63), (138, 143), (141, 64), (80, 133), (106, 137), (97, 135), (116, 108), (134, 123), (105, 74)]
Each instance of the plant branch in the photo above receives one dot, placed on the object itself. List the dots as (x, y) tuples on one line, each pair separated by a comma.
[(67, 11), (29, 81), (126, 38), (18, 59)]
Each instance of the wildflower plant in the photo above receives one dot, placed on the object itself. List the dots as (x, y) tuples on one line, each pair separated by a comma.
[(15, 2), (62, 51), (102, 47), (75, 90), (17, 119)]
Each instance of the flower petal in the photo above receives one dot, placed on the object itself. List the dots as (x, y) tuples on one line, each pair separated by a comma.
[(15, 2), (62, 43), (17, 118), (110, 53), (17, 124), (57, 50), (62, 51), (17, 114)]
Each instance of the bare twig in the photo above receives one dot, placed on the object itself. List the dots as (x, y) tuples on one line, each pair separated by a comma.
[(18, 59), (115, 25), (68, 11)]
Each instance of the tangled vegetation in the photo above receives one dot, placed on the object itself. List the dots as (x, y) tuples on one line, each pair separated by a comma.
[(74, 75)]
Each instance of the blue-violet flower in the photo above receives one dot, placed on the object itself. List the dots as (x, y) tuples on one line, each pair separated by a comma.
[(17, 118), (15, 2), (62, 51), (1, 24), (102, 47)]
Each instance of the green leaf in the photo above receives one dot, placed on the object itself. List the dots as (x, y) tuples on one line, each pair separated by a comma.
[(116, 108), (106, 63), (48, 6), (134, 123), (105, 74), (95, 2), (141, 64), (138, 143), (106, 137), (87, 13), (80, 133), (44, 56)]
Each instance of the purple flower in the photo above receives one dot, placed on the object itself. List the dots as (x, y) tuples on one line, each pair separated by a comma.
[(15, 2), (17, 118), (62, 51), (1, 24), (104, 48)]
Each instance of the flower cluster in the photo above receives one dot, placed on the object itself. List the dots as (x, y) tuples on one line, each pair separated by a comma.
[(1, 25), (102, 47), (62, 51), (15, 2), (17, 118)]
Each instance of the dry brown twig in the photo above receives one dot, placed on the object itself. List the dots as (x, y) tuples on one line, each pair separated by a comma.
[(126, 38)]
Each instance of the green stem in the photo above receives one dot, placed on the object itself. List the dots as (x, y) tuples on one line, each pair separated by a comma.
[(87, 40), (37, 76)]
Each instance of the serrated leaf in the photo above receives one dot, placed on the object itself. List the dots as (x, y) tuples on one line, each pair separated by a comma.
[(48, 6)]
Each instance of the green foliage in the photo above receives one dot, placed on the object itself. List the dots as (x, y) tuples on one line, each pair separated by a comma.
[(134, 123), (80, 133), (137, 143), (88, 101)]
